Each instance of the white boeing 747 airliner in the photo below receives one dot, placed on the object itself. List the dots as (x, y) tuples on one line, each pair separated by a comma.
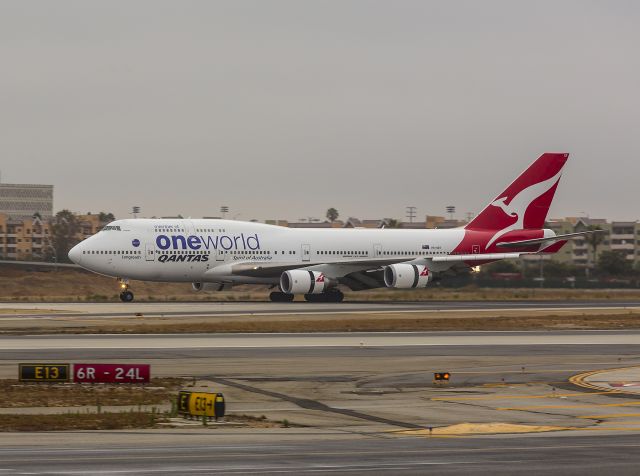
[(217, 254)]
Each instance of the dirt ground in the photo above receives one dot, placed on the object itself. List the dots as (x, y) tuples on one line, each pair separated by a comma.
[(80, 421), (30, 285), (530, 319), (14, 394)]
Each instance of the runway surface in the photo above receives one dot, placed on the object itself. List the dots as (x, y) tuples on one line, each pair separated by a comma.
[(106, 310), (327, 340), (210, 454), (353, 392), (318, 345)]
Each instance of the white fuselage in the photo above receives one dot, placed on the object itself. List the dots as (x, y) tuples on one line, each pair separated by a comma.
[(203, 250)]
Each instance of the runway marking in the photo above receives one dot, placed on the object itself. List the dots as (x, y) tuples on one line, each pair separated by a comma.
[(211, 451), (501, 397), (542, 407), (489, 308), (311, 467), (579, 379), (306, 340), (606, 417), (527, 384)]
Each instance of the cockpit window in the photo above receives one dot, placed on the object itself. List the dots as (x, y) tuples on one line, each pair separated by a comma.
[(111, 227)]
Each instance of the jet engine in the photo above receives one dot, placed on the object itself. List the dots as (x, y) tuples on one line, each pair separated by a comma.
[(210, 286), (300, 281), (406, 276)]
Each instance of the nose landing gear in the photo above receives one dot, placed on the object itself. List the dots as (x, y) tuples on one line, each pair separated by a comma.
[(125, 294)]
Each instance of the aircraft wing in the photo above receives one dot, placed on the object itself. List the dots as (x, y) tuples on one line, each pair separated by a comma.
[(266, 270), (359, 274)]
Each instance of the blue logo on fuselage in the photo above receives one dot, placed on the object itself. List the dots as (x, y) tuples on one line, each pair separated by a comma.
[(225, 242), (136, 242)]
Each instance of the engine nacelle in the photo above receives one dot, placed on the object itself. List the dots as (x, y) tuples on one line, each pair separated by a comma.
[(300, 281), (406, 276), (210, 286)]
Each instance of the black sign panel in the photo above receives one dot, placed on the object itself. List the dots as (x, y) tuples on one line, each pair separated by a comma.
[(183, 401), (44, 372)]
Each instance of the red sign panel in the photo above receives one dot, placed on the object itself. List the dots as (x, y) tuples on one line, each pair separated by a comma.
[(111, 373)]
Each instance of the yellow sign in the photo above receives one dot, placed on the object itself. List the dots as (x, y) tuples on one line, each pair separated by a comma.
[(202, 404), (43, 372)]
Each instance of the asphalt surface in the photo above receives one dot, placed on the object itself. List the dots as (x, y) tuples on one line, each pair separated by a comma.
[(586, 455), (378, 344), (355, 392), (106, 310), (316, 339)]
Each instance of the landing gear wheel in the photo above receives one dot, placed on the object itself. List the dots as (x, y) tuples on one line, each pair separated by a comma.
[(126, 296), (333, 295), (277, 296)]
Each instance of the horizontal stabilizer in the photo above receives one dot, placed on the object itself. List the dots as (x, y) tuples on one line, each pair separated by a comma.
[(477, 257), (544, 241)]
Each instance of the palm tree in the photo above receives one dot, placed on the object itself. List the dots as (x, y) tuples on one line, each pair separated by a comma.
[(594, 240)]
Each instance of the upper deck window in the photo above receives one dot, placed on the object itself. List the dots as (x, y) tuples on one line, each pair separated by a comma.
[(111, 227)]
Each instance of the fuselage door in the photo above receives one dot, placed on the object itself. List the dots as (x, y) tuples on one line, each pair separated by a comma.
[(377, 250), (306, 252), (149, 252), (219, 255), (475, 249)]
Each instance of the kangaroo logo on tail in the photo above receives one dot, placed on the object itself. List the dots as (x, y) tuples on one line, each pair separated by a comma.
[(519, 205), (523, 205)]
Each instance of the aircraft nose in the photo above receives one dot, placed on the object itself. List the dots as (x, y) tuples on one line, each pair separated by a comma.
[(75, 253)]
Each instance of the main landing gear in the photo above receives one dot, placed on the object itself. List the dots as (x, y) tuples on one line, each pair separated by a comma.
[(279, 296), (125, 294), (332, 295)]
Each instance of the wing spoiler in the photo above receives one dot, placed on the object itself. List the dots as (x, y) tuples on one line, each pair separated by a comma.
[(545, 241)]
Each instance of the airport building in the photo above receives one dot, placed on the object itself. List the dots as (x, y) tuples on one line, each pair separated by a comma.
[(25, 200)]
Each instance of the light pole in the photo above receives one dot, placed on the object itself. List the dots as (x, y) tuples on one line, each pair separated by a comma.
[(451, 210), (411, 213)]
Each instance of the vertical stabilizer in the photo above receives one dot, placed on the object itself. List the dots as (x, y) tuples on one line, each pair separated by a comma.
[(525, 203)]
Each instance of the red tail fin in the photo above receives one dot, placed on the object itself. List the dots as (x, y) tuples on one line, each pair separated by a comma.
[(525, 203)]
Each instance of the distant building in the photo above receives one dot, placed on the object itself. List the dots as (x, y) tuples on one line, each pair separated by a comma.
[(26, 239), (25, 200), (617, 236)]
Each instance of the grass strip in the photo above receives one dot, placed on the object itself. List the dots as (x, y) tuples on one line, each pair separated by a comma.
[(80, 421), (14, 394)]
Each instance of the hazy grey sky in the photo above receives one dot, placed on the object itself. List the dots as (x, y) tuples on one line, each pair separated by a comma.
[(281, 109)]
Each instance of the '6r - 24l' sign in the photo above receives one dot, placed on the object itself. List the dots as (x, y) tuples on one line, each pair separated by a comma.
[(111, 373)]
